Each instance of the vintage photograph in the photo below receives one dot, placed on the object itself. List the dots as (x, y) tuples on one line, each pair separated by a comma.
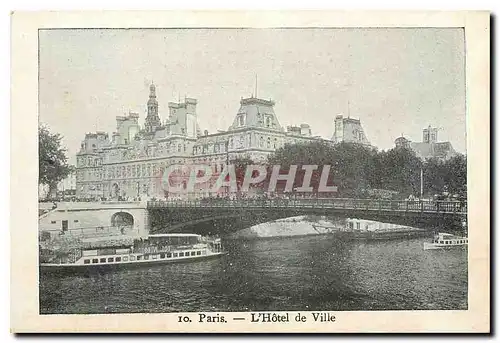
[(252, 169)]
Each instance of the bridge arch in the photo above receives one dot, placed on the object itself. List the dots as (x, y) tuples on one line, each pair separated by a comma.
[(122, 219)]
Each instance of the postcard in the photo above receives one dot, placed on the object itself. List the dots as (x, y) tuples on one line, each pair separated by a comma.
[(260, 171)]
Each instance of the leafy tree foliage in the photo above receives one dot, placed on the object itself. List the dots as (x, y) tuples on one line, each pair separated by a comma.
[(356, 168), (52, 160), (446, 176)]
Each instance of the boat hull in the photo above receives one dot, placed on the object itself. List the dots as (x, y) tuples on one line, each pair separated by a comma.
[(379, 236), (72, 269), (434, 246)]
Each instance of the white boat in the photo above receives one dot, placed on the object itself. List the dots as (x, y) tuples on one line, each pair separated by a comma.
[(445, 241), (156, 249)]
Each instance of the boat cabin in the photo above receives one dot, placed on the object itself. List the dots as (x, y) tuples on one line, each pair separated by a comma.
[(446, 238)]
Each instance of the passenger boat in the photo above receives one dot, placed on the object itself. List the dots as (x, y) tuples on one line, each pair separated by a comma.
[(446, 241), (156, 249)]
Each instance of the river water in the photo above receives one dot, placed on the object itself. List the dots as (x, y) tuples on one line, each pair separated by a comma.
[(296, 273)]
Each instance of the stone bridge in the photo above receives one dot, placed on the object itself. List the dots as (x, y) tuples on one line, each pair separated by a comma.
[(219, 216)]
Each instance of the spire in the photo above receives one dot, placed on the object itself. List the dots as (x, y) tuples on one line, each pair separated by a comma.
[(152, 90), (152, 118)]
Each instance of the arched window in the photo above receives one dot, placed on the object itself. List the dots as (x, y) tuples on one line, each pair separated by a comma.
[(275, 143), (269, 142)]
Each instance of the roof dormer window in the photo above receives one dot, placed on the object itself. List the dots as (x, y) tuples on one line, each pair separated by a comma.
[(268, 121), (241, 120)]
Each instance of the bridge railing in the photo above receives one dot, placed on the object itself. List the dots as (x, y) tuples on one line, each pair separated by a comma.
[(327, 203)]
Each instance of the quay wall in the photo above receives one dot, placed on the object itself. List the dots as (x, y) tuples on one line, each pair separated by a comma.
[(94, 219)]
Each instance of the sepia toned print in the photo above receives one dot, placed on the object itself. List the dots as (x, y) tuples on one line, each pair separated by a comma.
[(234, 177)]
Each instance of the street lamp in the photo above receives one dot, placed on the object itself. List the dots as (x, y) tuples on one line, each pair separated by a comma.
[(421, 182)]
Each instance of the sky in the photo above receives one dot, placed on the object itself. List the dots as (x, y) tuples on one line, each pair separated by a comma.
[(396, 81)]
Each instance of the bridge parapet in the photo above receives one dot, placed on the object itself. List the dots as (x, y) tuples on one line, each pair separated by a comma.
[(101, 205), (390, 206)]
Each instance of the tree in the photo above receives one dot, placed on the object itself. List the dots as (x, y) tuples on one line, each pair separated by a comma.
[(52, 160), (401, 170), (449, 175), (350, 164)]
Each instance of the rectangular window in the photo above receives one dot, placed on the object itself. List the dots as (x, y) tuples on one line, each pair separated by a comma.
[(111, 259), (198, 252), (193, 253), (154, 257), (139, 257), (175, 254), (75, 221), (125, 258), (181, 254), (86, 261), (162, 255), (132, 258), (103, 260), (118, 259), (169, 255), (95, 260), (53, 222)]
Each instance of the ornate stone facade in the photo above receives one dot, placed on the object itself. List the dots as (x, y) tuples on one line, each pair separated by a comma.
[(130, 165)]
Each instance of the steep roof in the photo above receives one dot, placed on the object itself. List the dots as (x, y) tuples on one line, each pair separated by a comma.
[(256, 112)]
